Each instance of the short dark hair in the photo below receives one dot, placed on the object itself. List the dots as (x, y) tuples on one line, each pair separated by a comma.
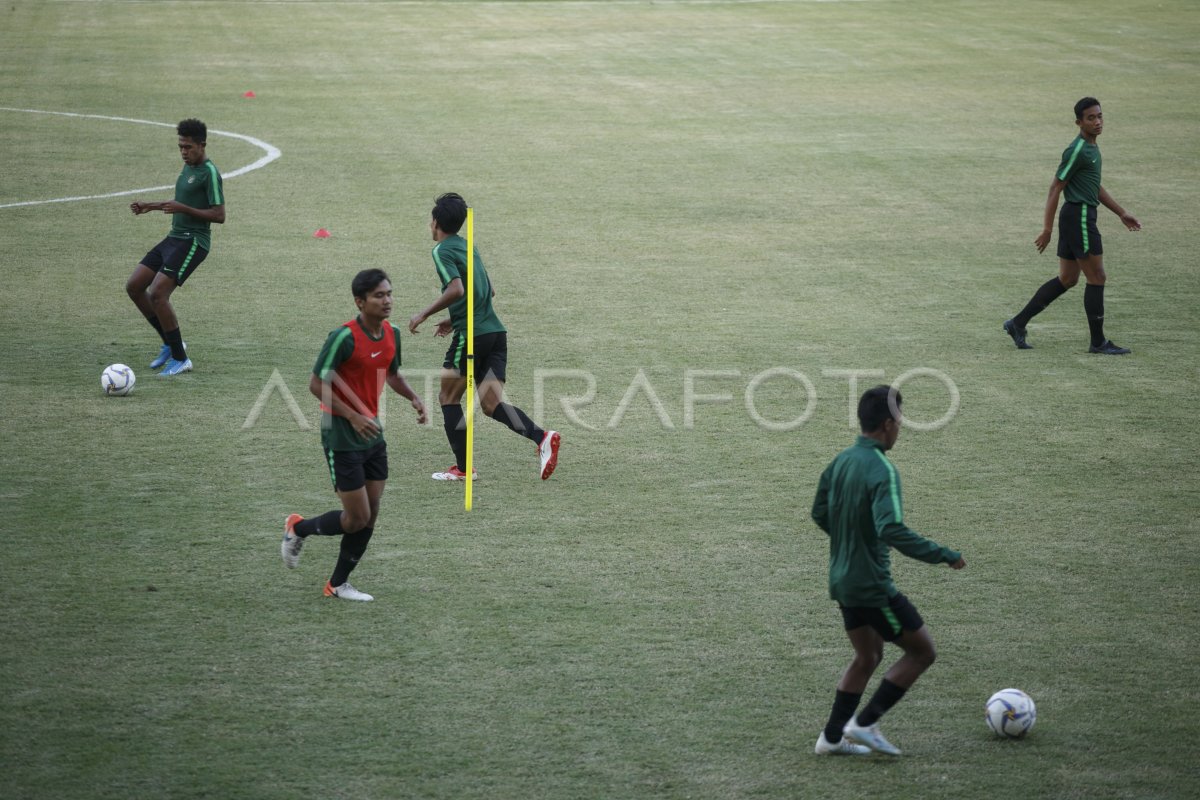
[(450, 212), (1083, 105), (193, 129), (365, 281), (876, 406)]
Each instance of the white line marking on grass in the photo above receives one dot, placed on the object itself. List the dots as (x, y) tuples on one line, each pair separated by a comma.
[(600, 3), (271, 151)]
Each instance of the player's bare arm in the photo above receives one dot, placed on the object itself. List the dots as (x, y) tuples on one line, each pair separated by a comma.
[(144, 207), (1043, 238), (215, 214), (400, 386), (451, 294), (363, 425), (1129, 220)]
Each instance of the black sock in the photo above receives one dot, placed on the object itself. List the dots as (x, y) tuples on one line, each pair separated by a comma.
[(328, 524), (456, 433), (353, 547), (844, 706), (886, 696), (1093, 306), (1046, 294), (516, 419), (154, 323), (175, 340)]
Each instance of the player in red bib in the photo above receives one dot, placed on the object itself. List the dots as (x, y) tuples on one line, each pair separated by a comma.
[(357, 360)]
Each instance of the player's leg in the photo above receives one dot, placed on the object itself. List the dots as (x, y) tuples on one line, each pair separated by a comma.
[(354, 522), (1072, 245), (491, 353), (491, 400), (1093, 305), (450, 393), (160, 298), (347, 471), (919, 655), (1068, 272), (159, 295), (180, 258), (1047, 293), (491, 361), (901, 623), (137, 286), (354, 543), (868, 652)]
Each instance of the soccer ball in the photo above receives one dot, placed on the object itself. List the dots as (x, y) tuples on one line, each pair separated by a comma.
[(1010, 713), (117, 380)]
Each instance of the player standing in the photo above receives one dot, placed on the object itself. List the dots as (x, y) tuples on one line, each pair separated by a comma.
[(199, 202), (1079, 245), (357, 360), (491, 344), (858, 504)]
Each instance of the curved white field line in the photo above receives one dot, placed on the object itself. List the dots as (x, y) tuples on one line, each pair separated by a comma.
[(271, 151)]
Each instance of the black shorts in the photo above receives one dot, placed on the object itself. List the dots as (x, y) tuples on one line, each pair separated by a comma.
[(899, 616), (351, 469), (491, 355), (1078, 235), (175, 258)]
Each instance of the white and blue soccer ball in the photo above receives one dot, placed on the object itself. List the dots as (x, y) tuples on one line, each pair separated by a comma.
[(117, 380), (1011, 713)]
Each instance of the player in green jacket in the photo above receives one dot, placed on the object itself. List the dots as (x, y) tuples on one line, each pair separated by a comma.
[(858, 504)]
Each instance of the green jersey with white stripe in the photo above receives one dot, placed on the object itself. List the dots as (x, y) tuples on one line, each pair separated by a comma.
[(197, 187), (1080, 168), (858, 504), (450, 260)]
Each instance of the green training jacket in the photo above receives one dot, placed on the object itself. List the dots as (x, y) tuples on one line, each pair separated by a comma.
[(858, 504)]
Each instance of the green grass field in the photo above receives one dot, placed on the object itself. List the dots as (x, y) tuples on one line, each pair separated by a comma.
[(666, 194)]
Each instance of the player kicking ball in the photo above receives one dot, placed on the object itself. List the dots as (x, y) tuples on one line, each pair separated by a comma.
[(858, 504), (199, 202), (357, 360), (490, 347)]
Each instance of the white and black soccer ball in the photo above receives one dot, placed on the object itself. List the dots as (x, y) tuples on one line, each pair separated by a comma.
[(117, 380), (1011, 713)]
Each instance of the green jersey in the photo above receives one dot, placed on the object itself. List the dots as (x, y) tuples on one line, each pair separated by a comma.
[(858, 504), (196, 187), (450, 259), (1080, 168)]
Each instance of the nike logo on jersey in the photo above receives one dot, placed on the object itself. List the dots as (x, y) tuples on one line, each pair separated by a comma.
[(376, 354), (191, 179)]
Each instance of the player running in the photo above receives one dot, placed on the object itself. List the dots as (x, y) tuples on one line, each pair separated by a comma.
[(357, 360), (490, 350)]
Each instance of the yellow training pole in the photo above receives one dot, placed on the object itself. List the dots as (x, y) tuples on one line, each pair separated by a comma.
[(470, 351)]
